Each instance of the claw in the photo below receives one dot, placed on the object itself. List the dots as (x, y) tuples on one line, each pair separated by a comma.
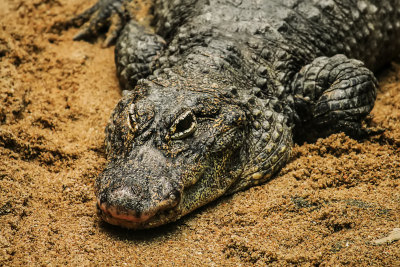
[(373, 131), (82, 34), (105, 13), (80, 19), (113, 31)]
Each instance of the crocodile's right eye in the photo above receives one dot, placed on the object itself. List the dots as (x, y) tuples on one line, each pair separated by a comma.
[(184, 126), (132, 119), (140, 116)]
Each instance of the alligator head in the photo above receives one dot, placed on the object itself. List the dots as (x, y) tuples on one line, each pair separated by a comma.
[(170, 151), (173, 148)]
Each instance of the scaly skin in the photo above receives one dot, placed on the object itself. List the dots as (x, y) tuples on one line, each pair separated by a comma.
[(214, 98)]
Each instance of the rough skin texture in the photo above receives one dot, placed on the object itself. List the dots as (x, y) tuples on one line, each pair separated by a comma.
[(214, 98)]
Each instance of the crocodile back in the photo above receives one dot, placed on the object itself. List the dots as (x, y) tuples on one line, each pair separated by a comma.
[(368, 30)]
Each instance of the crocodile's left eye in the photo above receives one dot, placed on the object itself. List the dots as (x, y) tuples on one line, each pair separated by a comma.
[(183, 126)]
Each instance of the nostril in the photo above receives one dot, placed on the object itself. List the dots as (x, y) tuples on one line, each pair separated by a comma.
[(174, 196), (140, 156)]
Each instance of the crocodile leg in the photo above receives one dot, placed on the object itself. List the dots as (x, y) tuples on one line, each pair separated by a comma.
[(332, 95), (137, 48), (105, 13), (135, 53)]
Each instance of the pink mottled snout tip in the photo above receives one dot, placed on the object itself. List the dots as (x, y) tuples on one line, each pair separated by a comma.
[(123, 214)]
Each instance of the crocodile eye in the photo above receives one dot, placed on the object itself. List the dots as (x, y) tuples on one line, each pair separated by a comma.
[(132, 120), (183, 126), (140, 117)]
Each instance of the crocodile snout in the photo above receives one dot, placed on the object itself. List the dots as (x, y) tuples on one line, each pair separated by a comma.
[(130, 193), (120, 211)]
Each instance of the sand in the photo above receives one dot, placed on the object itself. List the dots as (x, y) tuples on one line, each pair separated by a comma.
[(326, 207)]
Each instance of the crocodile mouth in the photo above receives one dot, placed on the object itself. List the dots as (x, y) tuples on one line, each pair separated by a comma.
[(121, 214), (131, 219)]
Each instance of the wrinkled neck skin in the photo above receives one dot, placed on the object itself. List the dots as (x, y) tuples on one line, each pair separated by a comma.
[(185, 136)]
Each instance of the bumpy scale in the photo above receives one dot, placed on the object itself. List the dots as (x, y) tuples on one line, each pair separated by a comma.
[(215, 96)]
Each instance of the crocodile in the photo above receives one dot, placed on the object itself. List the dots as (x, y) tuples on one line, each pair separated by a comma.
[(215, 92)]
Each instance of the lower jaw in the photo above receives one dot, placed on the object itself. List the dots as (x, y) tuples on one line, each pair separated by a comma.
[(151, 223), (155, 221), (125, 221)]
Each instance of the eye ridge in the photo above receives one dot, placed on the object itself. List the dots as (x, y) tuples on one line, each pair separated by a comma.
[(183, 126)]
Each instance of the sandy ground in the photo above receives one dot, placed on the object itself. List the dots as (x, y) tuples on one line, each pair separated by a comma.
[(326, 207)]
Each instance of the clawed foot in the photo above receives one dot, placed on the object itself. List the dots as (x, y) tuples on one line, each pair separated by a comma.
[(105, 15), (333, 95)]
